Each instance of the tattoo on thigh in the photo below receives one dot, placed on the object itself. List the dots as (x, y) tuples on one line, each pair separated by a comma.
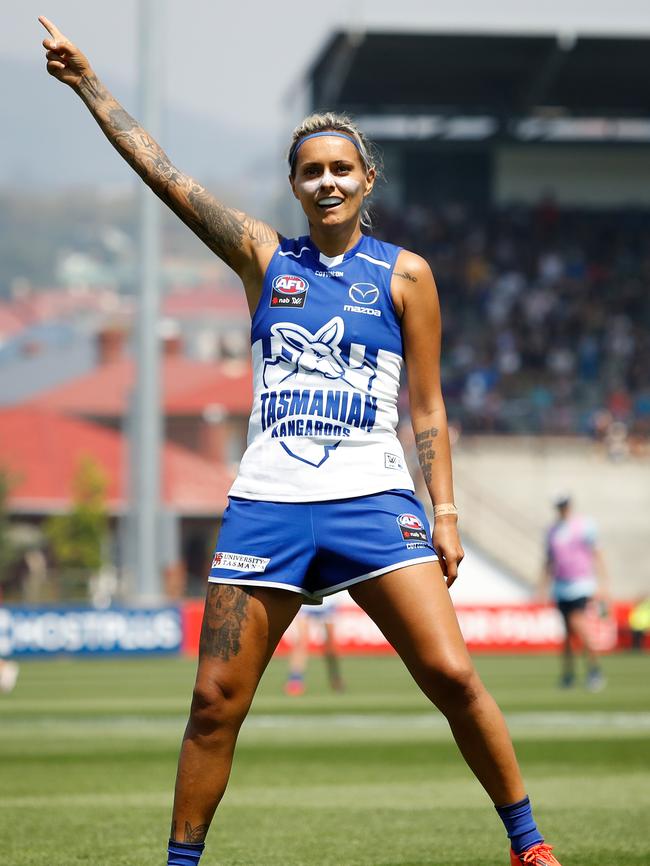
[(226, 610)]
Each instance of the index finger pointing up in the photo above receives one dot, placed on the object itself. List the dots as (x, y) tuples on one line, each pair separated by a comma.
[(52, 29)]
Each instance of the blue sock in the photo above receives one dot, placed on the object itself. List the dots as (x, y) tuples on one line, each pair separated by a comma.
[(184, 853), (520, 825)]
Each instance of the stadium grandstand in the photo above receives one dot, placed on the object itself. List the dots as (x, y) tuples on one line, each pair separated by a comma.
[(518, 166)]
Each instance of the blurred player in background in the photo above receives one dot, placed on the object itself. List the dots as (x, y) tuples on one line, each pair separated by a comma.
[(323, 500), (8, 675), (574, 575), (324, 617)]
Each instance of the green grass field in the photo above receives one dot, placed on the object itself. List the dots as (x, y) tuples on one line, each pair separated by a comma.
[(368, 778)]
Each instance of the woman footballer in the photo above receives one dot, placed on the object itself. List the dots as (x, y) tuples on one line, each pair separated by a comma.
[(323, 500)]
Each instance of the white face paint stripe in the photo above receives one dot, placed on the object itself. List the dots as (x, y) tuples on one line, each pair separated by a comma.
[(348, 185)]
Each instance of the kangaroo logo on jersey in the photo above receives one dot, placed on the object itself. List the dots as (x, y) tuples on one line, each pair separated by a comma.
[(411, 527), (364, 293), (311, 421), (288, 291), (297, 352)]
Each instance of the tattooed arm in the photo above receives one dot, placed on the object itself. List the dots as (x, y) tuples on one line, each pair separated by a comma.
[(244, 243), (416, 301)]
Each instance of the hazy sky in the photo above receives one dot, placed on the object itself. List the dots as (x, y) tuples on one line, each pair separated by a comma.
[(222, 59), (238, 60), (238, 64)]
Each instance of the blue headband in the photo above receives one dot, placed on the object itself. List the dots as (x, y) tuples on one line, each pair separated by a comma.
[(292, 160)]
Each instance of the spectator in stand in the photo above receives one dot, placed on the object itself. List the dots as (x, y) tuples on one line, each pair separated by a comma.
[(549, 311), (574, 573)]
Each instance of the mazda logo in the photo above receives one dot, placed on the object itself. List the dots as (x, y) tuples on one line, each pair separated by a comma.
[(364, 293)]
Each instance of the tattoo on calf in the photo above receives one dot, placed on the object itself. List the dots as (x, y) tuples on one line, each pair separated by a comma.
[(226, 610), (195, 834), (426, 453), (192, 835)]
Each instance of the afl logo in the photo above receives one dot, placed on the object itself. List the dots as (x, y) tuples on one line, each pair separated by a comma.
[(288, 285), (411, 527), (364, 293), (411, 521), (288, 291)]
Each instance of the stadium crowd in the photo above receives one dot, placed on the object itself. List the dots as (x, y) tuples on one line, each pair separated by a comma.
[(546, 316)]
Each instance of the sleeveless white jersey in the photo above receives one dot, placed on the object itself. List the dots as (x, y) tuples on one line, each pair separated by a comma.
[(327, 358)]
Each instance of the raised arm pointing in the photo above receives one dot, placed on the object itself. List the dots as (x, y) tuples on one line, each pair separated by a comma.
[(244, 243)]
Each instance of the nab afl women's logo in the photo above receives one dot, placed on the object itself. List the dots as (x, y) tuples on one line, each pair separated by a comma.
[(412, 527), (289, 291)]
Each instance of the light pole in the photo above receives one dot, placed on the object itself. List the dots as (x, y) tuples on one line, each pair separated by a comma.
[(146, 434)]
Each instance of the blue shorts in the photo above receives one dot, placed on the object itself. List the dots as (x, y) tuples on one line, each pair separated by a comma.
[(567, 607), (317, 548)]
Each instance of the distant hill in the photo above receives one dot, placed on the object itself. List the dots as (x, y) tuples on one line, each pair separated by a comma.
[(49, 140)]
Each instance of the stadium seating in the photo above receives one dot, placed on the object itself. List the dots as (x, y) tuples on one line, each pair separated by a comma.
[(546, 315)]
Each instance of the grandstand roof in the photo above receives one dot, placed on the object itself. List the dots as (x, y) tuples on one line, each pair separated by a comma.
[(468, 74), (41, 450)]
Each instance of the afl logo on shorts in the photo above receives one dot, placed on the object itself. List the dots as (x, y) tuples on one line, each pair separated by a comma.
[(289, 291), (412, 527), (364, 293)]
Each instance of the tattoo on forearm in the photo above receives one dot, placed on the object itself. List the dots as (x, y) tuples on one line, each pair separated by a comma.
[(426, 453), (122, 120), (225, 230), (226, 610), (406, 276), (91, 88)]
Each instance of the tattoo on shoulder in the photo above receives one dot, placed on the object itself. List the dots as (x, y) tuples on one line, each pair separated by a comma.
[(426, 453), (406, 276), (226, 611), (225, 229)]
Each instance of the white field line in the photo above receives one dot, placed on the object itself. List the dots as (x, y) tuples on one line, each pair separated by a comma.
[(551, 719), (416, 795), (568, 724)]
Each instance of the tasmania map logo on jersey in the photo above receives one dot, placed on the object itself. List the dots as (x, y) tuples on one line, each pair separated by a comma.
[(288, 291)]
